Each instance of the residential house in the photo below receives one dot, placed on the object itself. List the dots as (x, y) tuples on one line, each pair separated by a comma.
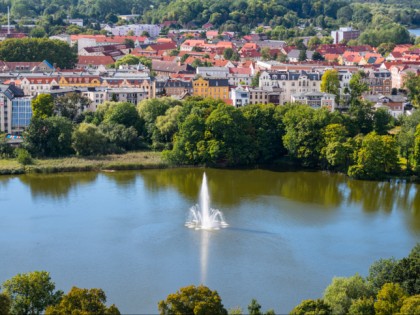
[(32, 85), (379, 81), (394, 104), (315, 99), (214, 88), (239, 96), (291, 82)]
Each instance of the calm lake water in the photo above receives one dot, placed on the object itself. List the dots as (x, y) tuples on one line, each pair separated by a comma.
[(415, 32), (289, 233)]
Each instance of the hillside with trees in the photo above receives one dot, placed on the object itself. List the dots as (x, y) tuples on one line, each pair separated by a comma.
[(238, 15)]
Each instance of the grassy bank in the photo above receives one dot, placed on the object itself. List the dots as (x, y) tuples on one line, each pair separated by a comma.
[(128, 161)]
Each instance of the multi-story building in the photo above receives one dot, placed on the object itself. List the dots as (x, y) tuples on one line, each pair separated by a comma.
[(137, 29), (239, 96), (291, 82), (315, 99), (344, 34), (15, 110), (214, 88), (379, 81)]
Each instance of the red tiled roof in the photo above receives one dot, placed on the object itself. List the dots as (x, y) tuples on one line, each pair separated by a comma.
[(95, 60)]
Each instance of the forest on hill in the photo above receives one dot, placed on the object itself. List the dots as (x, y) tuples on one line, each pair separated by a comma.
[(236, 15)]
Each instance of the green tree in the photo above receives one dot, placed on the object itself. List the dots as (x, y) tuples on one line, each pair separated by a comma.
[(380, 272), (407, 270), (42, 106), (5, 304), (38, 49), (228, 53), (167, 126), (307, 307), (122, 137), (23, 156), (49, 137), (338, 148), (133, 60), (361, 114), (71, 105), (302, 55), (265, 53), (382, 121), (357, 86), (254, 308), (37, 32), (317, 56), (87, 139), (411, 305), (83, 301), (6, 150), (362, 306), (390, 299), (149, 110), (377, 156), (123, 113), (31, 293), (265, 130), (256, 80), (192, 300), (330, 83), (412, 84), (303, 133), (341, 293)]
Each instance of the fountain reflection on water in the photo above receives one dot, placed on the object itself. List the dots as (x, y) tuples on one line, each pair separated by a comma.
[(202, 217)]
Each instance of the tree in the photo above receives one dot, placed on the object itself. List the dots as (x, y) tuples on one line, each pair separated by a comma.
[(407, 270), (341, 293), (377, 156), (411, 305), (254, 308), (37, 49), (149, 111), (382, 121), (313, 42), (31, 293), (23, 156), (5, 304), (228, 53), (357, 86), (192, 300), (123, 113), (71, 105), (256, 80), (266, 131), (37, 32), (303, 133), (49, 137), (6, 150), (129, 42), (380, 272), (83, 301), (122, 137), (412, 84), (330, 83), (42, 106), (317, 56), (318, 307), (87, 139), (302, 55), (362, 306), (265, 53), (390, 299)]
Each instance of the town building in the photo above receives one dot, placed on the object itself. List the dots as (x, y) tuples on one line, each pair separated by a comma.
[(344, 34), (15, 110), (315, 99), (214, 88)]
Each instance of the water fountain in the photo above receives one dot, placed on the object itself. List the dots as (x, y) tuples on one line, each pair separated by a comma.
[(202, 217)]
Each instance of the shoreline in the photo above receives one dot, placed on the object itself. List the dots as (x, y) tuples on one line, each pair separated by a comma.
[(141, 160), (114, 162)]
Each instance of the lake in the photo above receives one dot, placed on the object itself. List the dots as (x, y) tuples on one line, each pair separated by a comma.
[(415, 32), (289, 232)]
